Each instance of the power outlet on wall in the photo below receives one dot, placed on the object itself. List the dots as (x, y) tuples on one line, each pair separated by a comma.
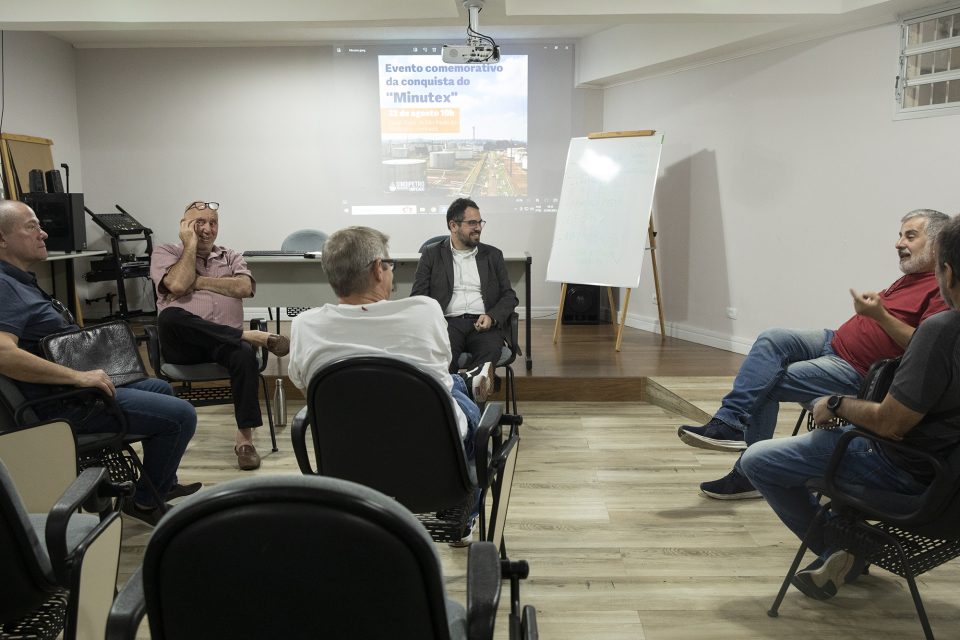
[(732, 313)]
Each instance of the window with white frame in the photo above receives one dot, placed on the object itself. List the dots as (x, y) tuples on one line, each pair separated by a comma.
[(929, 81)]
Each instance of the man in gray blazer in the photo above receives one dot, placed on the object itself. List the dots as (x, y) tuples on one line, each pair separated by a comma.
[(469, 280)]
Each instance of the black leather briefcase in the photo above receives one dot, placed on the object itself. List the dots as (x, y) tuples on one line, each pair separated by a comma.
[(110, 346)]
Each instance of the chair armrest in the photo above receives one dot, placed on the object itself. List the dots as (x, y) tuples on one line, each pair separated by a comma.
[(80, 491), (511, 335), (483, 590), (486, 441), (109, 404), (128, 609), (153, 348), (528, 624), (927, 504), (259, 324), (298, 435)]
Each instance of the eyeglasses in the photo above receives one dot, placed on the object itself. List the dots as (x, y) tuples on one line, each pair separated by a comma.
[(60, 308), (200, 206), (390, 262), (473, 224)]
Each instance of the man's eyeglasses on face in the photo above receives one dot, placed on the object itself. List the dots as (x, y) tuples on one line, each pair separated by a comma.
[(474, 224), (200, 206)]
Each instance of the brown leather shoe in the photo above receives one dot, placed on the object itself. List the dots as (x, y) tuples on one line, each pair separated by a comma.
[(278, 345), (247, 457)]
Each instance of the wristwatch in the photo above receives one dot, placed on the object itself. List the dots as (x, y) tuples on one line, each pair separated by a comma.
[(833, 403)]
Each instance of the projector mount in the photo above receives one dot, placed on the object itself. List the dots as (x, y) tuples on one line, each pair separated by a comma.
[(479, 48)]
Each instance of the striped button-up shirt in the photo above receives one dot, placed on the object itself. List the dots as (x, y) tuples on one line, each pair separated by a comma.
[(215, 307)]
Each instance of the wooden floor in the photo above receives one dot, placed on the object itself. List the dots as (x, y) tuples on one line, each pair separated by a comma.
[(620, 543)]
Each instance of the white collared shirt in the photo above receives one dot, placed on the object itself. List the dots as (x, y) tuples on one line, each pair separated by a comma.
[(466, 296)]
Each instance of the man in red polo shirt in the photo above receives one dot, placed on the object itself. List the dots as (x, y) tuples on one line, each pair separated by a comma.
[(800, 366)]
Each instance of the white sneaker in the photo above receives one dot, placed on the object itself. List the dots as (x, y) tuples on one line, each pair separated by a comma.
[(482, 384), (822, 583)]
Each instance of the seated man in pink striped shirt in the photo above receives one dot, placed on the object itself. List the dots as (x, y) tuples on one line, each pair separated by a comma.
[(200, 288)]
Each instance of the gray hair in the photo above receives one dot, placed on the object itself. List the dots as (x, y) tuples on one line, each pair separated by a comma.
[(8, 213), (347, 256), (935, 221)]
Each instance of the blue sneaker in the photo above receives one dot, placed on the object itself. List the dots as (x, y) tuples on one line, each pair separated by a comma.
[(715, 435), (733, 486)]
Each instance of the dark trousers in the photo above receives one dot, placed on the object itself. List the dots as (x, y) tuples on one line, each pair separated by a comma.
[(186, 338), (484, 346)]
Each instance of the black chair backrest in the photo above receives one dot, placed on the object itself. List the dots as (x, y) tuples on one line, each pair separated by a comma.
[(385, 424), (323, 557), (877, 380), (26, 581), (432, 241), (10, 400)]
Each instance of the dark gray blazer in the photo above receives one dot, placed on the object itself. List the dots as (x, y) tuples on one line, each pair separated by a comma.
[(435, 279)]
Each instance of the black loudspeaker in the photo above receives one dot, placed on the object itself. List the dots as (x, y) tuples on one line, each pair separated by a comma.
[(61, 216), (36, 181), (586, 304), (54, 181)]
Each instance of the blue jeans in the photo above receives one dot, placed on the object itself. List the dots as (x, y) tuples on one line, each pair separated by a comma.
[(779, 468), (784, 366), (165, 422), (470, 409)]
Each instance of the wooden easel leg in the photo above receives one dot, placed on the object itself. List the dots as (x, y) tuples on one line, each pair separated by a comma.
[(623, 318), (556, 326), (613, 308), (652, 237)]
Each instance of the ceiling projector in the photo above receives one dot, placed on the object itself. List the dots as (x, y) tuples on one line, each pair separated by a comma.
[(470, 53), (479, 49)]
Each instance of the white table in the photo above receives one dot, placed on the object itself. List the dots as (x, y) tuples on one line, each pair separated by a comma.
[(295, 281)]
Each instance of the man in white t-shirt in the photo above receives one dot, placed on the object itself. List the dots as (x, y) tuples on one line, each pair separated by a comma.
[(366, 322)]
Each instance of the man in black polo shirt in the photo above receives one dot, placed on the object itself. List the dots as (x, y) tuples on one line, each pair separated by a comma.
[(922, 408), (28, 314)]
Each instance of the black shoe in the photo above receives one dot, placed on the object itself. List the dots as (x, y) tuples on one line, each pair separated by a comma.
[(179, 490), (822, 583), (147, 515), (733, 486), (716, 435)]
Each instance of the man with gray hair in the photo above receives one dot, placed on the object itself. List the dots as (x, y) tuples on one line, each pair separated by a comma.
[(800, 366), (366, 322)]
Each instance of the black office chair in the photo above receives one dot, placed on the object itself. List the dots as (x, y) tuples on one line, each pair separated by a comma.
[(432, 241), (405, 442), (112, 450), (58, 568), (906, 535), (325, 557), (303, 240), (184, 377)]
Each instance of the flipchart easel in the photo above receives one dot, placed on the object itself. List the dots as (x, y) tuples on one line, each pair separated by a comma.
[(652, 247)]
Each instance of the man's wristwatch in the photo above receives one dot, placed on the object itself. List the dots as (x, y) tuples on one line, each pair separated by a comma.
[(833, 403)]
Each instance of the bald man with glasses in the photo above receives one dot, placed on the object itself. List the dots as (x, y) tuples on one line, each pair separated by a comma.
[(469, 279), (200, 290)]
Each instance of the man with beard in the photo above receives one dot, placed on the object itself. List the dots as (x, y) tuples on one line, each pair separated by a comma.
[(469, 280), (200, 291), (800, 366), (921, 409)]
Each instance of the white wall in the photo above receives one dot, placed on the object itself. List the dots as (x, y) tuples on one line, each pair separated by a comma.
[(783, 180), (41, 95), (254, 129)]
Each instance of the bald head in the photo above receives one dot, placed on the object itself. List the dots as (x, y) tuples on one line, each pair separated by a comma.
[(21, 236), (10, 212)]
